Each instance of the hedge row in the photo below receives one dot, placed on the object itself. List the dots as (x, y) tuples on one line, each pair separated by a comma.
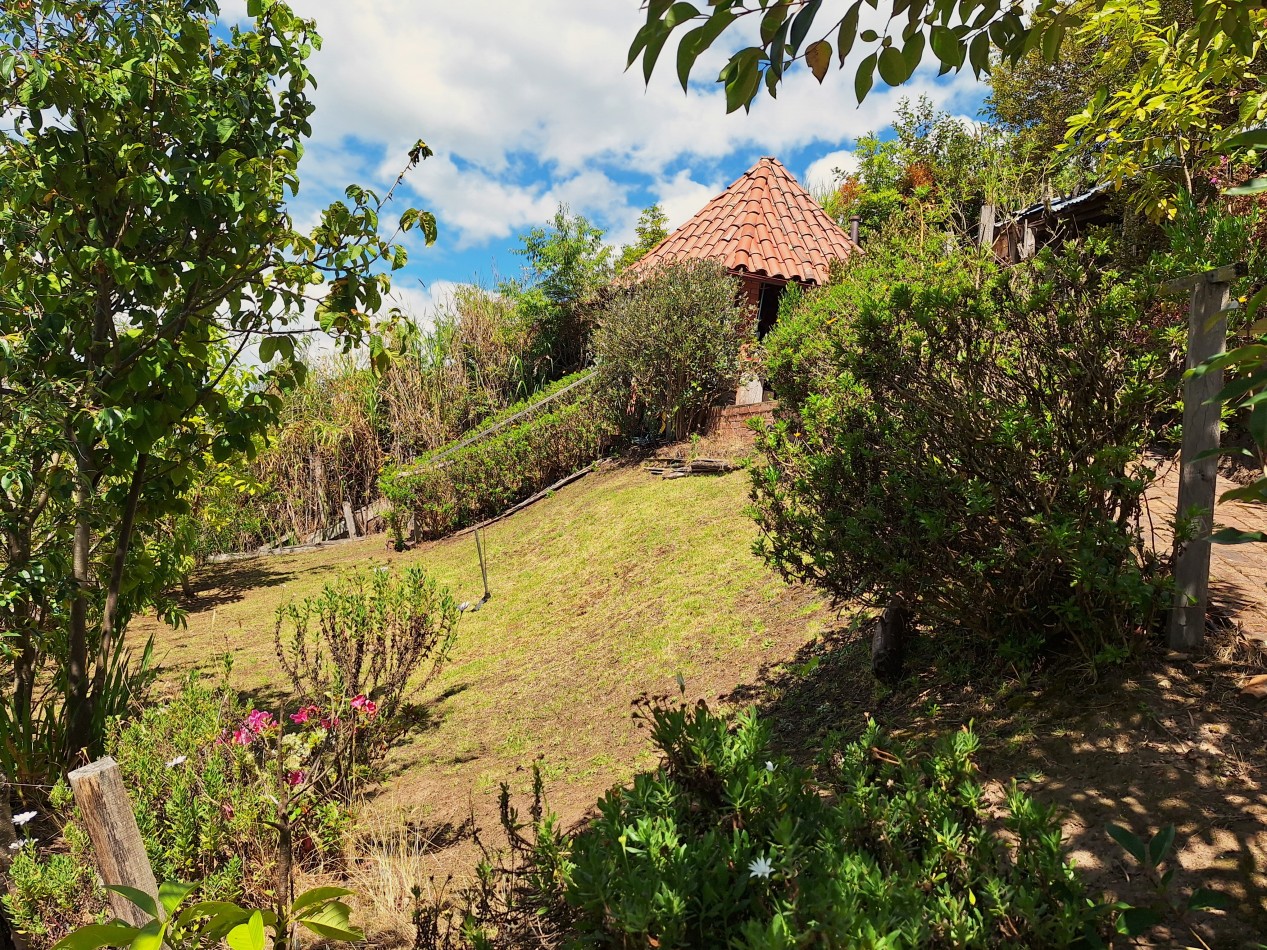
[(497, 472)]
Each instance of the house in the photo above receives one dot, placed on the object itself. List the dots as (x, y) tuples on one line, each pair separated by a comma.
[(1048, 223), (768, 231)]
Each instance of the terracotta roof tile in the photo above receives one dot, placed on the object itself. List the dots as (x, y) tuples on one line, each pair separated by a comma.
[(765, 224)]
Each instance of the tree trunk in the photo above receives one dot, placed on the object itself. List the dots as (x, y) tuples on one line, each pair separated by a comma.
[(118, 563), (78, 698)]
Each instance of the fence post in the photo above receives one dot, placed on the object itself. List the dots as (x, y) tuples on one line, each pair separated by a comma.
[(111, 825), (1207, 337)]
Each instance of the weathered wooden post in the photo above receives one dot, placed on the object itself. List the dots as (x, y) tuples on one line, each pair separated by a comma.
[(349, 519), (1198, 466), (121, 856)]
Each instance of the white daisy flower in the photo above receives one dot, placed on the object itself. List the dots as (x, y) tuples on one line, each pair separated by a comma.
[(769, 766), (179, 760), (19, 844), (760, 867), (23, 818)]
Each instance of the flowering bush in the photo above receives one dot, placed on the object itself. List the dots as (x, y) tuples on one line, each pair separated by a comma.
[(352, 652)]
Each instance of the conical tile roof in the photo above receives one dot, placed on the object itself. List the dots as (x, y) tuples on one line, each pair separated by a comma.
[(765, 224)]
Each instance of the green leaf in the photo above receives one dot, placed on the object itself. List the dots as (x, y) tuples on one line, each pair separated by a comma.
[(892, 67), (1160, 845), (95, 936), (818, 58), (1135, 921), (946, 46), (137, 897), (1255, 186), (1133, 845), (171, 893), (848, 33), (1053, 36), (1205, 899), (150, 937), (224, 130), (316, 895), (247, 936), (1254, 138), (865, 77), (333, 921), (679, 13), (912, 53), (802, 22), (979, 54), (268, 349)]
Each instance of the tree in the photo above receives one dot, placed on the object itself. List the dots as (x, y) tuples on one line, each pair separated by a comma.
[(567, 265), (1167, 127), (959, 33), (144, 247), (652, 228)]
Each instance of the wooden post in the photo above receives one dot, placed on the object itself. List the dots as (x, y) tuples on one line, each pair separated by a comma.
[(121, 856), (349, 518), (888, 642), (985, 233), (1207, 337)]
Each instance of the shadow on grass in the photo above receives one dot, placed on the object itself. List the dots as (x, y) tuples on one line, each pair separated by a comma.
[(1167, 740), (228, 583)]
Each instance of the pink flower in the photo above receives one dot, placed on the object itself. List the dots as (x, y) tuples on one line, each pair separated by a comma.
[(331, 723), (371, 709), (359, 702), (258, 720), (242, 736), (295, 778), (304, 714)]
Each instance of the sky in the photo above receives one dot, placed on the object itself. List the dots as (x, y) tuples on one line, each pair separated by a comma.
[(528, 105)]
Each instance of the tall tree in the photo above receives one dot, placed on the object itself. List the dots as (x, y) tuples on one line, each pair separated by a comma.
[(652, 228), (145, 246)]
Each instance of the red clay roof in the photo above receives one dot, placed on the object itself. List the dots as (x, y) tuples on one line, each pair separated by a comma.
[(764, 224)]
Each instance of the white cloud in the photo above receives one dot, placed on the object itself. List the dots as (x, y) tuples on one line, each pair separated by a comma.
[(824, 172), (495, 81)]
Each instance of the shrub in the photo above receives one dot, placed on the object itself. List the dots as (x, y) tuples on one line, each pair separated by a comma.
[(672, 342), (353, 651), (969, 440), (728, 845), (485, 478)]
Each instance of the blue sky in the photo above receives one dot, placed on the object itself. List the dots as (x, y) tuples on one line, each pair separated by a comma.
[(528, 105)]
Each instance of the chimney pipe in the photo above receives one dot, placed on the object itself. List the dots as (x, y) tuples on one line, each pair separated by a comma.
[(853, 227)]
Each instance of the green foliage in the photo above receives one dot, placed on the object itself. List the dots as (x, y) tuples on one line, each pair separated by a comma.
[(728, 844), (1152, 856), (1165, 127), (959, 34), (932, 176), (483, 479), (379, 635), (968, 439), (144, 243), (672, 341), (567, 266), (652, 228), (45, 895), (184, 924)]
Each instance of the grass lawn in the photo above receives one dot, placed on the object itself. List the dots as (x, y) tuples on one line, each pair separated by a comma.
[(605, 591)]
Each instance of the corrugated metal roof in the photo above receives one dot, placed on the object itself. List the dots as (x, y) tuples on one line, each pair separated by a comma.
[(765, 224)]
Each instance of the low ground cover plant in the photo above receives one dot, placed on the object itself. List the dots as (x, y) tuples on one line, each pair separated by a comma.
[(492, 474), (968, 439), (669, 343)]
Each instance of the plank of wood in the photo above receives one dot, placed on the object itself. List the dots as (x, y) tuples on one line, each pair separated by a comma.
[(116, 840), (1207, 337), (1219, 275)]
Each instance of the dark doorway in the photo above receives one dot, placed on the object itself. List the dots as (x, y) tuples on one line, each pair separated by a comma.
[(768, 308)]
